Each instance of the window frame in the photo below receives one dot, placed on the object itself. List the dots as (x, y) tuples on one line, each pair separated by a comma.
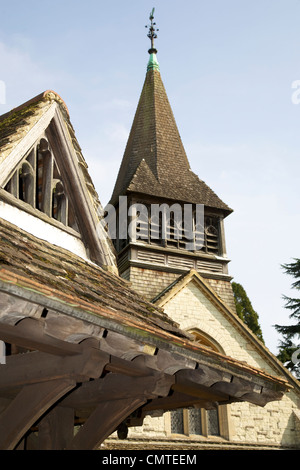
[(223, 421)]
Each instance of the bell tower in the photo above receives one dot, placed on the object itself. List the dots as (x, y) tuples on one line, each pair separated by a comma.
[(169, 220)]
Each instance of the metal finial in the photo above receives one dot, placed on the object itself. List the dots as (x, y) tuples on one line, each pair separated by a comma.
[(152, 32)]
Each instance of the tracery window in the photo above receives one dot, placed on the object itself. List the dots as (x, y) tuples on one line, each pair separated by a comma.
[(37, 182)]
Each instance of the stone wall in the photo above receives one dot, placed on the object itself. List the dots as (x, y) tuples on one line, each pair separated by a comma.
[(151, 282), (276, 424), (272, 424), (224, 290), (148, 282)]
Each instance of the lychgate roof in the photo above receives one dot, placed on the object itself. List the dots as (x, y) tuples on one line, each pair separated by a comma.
[(39, 272), (47, 270)]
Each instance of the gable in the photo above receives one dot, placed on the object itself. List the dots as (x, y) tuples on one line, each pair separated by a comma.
[(193, 304), (44, 174)]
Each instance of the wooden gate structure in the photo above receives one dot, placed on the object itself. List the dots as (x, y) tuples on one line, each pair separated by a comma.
[(86, 355)]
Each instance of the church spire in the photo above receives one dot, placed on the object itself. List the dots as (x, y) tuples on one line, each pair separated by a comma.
[(152, 64), (155, 162)]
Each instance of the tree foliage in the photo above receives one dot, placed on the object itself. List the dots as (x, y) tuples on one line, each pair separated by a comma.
[(245, 310), (289, 345)]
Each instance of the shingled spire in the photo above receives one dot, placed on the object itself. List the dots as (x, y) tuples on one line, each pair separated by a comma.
[(154, 248), (155, 162)]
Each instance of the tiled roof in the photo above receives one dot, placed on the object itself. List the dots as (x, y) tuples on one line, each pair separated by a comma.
[(155, 162), (58, 273)]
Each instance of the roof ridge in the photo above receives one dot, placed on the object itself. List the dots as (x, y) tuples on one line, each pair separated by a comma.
[(48, 94)]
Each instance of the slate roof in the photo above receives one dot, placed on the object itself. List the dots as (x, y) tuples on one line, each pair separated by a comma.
[(154, 161)]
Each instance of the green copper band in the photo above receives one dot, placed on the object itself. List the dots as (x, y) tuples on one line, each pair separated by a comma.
[(153, 64)]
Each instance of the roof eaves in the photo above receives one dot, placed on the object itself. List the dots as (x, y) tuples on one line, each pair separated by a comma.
[(193, 276)]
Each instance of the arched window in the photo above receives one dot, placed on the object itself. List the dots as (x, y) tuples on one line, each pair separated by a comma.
[(205, 340), (198, 421)]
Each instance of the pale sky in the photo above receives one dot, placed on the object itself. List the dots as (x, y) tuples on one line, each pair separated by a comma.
[(229, 69)]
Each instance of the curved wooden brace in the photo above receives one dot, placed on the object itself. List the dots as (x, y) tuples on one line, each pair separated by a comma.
[(103, 421), (28, 406)]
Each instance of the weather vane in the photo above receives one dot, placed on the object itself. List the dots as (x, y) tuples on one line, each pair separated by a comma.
[(152, 34)]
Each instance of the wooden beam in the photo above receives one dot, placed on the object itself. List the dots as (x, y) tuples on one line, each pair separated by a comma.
[(236, 388), (168, 362), (261, 399), (13, 308), (67, 162), (29, 333), (121, 366), (189, 383), (104, 421), (177, 400), (118, 387), (28, 406), (224, 385), (34, 367), (204, 375)]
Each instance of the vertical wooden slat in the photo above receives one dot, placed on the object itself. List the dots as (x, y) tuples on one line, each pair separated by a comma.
[(32, 160), (47, 183), (14, 184)]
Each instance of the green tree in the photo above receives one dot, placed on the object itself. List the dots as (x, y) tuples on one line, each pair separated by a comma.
[(289, 345), (245, 310)]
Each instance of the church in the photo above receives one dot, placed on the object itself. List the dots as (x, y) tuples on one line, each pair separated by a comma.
[(193, 286), (119, 323)]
